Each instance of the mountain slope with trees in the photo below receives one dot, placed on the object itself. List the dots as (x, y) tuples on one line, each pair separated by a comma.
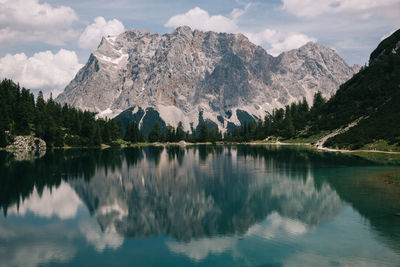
[(371, 96), (374, 95)]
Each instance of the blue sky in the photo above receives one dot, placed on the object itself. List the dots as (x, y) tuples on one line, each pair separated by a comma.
[(43, 43)]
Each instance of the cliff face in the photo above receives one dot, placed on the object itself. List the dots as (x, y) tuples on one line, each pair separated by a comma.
[(191, 75)]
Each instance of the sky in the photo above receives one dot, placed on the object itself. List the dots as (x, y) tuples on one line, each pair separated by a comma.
[(43, 43)]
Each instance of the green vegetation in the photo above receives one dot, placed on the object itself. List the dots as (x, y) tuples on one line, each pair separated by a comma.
[(381, 145), (286, 123), (57, 125), (372, 95), (312, 139), (395, 178), (392, 178)]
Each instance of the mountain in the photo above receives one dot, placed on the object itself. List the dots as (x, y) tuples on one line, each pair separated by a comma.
[(372, 96), (193, 76)]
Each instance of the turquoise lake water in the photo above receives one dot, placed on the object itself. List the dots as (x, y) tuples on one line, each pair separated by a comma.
[(197, 206)]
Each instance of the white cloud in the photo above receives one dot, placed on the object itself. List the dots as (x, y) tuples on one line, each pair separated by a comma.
[(100, 240), (278, 41), (277, 226), (62, 202), (360, 8), (45, 71), (201, 248), (199, 19), (29, 20), (289, 42), (274, 227), (93, 33), (35, 245)]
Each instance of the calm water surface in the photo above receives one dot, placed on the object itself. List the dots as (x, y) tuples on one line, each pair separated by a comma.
[(203, 206)]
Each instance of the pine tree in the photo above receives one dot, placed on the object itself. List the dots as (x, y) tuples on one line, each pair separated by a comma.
[(3, 140), (204, 133), (58, 137), (106, 133), (318, 102), (170, 136), (288, 130), (180, 133), (155, 134), (97, 135), (127, 136)]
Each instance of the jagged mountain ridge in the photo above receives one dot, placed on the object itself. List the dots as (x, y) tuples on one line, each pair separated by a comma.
[(191, 76)]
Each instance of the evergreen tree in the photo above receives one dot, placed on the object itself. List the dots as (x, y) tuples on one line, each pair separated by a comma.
[(97, 135), (318, 102), (132, 132), (50, 120), (155, 134), (58, 137), (128, 131), (3, 140), (170, 135), (180, 133), (204, 132), (288, 130), (106, 132)]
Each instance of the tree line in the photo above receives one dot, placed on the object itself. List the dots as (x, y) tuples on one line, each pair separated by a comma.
[(56, 124), (59, 125), (295, 120)]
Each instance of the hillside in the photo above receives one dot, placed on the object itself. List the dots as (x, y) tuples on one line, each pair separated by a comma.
[(374, 94)]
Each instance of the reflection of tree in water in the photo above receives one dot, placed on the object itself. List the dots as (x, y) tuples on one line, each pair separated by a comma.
[(206, 150), (176, 152), (19, 178), (133, 155), (375, 200), (154, 153), (190, 192)]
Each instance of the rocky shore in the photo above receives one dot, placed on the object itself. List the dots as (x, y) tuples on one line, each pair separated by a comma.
[(27, 147)]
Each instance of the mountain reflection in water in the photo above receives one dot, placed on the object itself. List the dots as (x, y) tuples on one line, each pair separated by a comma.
[(204, 197)]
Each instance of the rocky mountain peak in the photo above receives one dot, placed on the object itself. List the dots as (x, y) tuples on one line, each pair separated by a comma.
[(183, 30), (194, 76)]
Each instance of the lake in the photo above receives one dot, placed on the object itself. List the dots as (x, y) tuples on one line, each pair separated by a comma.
[(200, 206)]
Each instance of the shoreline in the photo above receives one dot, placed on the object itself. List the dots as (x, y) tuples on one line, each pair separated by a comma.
[(184, 144), (323, 148)]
